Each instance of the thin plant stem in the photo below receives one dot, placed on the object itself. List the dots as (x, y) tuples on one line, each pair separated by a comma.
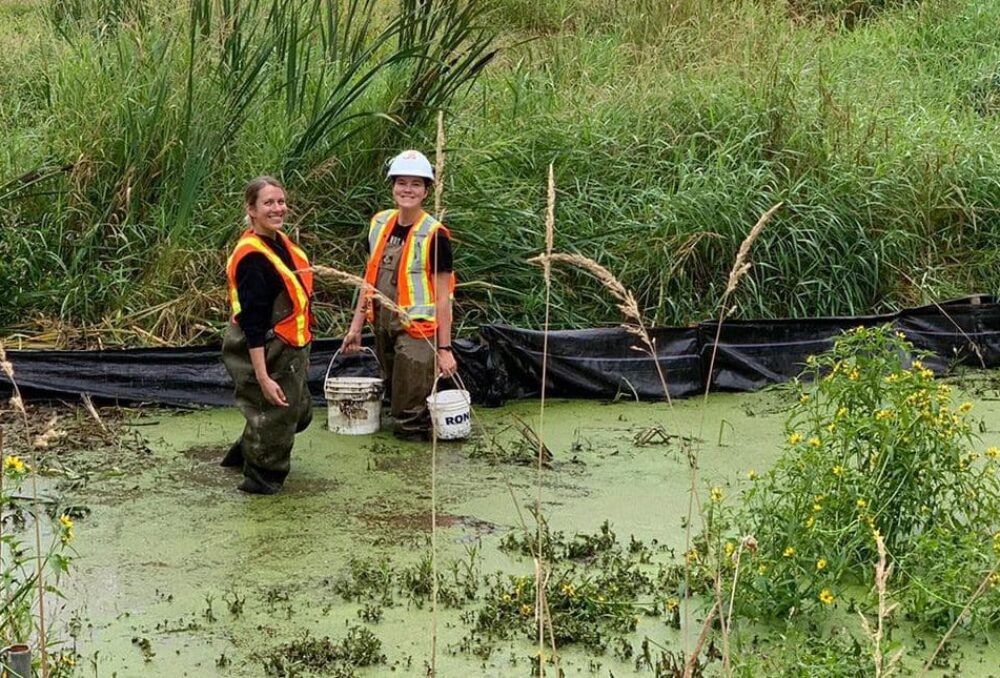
[(965, 610), (706, 627), (438, 210), (975, 346), (741, 266), (439, 169), (540, 561)]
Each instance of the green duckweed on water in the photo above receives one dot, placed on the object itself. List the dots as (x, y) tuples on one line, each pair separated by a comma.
[(180, 574)]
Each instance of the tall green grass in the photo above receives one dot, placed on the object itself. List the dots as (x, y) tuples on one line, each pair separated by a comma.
[(672, 127), (159, 113)]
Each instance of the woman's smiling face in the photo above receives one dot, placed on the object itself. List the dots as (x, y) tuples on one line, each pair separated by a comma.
[(409, 192), (268, 212)]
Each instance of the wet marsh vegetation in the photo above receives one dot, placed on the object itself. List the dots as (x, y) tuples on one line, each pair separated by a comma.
[(178, 574)]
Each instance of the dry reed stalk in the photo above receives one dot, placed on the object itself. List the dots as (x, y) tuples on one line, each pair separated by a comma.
[(540, 584), (747, 543), (627, 304), (18, 404), (717, 585), (88, 404), (352, 280), (965, 610), (439, 212), (692, 659), (740, 264), (739, 269), (882, 574), (439, 169)]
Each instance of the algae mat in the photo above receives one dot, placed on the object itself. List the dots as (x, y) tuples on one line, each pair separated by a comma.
[(179, 574)]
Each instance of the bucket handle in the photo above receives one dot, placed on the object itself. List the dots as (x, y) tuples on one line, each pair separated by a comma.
[(364, 349), (454, 379)]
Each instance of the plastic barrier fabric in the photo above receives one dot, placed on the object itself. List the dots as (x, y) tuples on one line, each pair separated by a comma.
[(506, 362)]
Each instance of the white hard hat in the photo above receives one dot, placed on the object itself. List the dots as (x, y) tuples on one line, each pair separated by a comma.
[(411, 164)]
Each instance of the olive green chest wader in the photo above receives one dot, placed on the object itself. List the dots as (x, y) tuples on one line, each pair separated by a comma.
[(408, 362), (266, 443)]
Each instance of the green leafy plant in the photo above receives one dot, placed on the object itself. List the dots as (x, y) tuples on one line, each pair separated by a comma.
[(19, 560), (874, 447)]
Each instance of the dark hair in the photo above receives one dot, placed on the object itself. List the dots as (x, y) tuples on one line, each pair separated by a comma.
[(254, 187), (428, 183)]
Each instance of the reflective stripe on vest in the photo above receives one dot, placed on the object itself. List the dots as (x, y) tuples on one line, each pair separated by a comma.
[(415, 292), (295, 328)]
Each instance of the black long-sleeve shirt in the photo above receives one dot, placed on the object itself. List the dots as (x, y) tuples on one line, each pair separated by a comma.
[(258, 284)]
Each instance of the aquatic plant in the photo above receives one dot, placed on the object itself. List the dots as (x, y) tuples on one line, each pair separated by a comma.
[(309, 655), (876, 450), (598, 590)]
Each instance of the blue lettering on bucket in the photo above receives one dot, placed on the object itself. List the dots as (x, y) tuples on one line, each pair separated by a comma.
[(453, 421)]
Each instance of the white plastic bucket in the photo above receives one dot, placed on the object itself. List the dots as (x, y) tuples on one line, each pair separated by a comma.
[(353, 404), (451, 413)]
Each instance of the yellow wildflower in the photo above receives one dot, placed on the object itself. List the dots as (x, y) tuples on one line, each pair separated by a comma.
[(752, 475), (826, 597), (882, 415), (838, 470), (569, 590), (993, 452), (814, 442), (505, 598), (13, 464), (926, 374), (821, 564), (861, 503), (66, 521), (794, 438), (762, 570), (730, 548), (965, 407), (526, 610), (804, 398), (810, 521), (691, 556), (831, 427), (789, 551), (841, 413), (817, 508), (917, 365), (673, 603), (853, 375), (716, 494)]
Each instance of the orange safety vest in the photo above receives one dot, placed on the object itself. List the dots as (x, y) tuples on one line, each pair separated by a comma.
[(415, 293), (295, 329)]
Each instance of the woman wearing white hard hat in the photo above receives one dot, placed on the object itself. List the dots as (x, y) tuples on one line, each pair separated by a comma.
[(409, 261)]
